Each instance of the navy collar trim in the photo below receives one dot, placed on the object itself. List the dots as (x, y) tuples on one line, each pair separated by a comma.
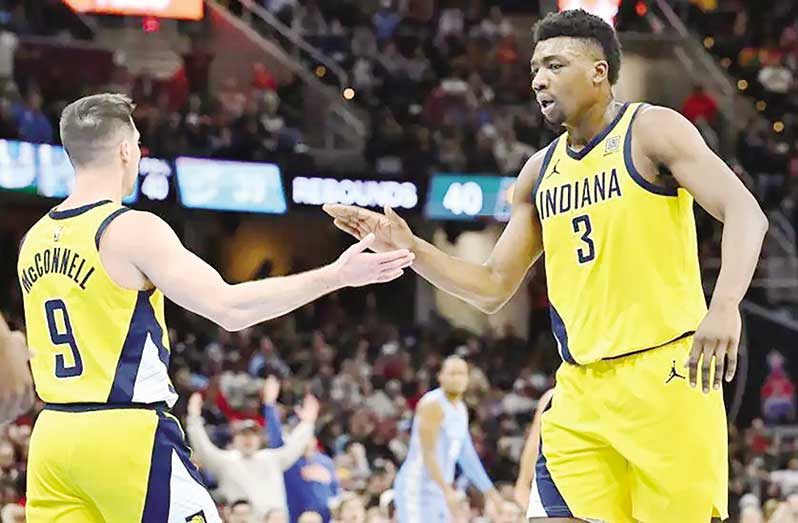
[(578, 155), (71, 213)]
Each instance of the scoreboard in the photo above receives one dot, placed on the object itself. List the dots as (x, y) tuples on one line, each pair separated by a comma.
[(469, 197)]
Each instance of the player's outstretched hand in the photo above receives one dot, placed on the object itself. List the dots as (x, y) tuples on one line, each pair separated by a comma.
[(390, 230), (195, 402), (493, 504), (521, 496), (355, 267), (717, 337), (271, 390), (452, 503), (16, 383), (309, 411)]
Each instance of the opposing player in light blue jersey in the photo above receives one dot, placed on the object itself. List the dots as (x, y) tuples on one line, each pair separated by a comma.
[(439, 441)]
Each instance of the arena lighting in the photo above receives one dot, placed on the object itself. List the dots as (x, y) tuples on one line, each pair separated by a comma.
[(778, 126), (182, 9), (709, 42), (761, 105), (150, 24), (321, 71), (726, 62), (604, 9), (349, 93), (742, 85)]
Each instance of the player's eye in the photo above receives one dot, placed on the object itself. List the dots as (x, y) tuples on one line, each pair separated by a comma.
[(555, 67)]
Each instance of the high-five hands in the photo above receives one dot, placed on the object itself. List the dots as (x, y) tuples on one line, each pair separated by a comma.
[(390, 230)]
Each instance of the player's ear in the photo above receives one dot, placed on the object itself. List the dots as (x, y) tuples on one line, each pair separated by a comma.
[(601, 70), (124, 151)]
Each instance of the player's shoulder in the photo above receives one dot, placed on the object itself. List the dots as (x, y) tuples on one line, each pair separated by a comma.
[(661, 131), (430, 404), (653, 119), (133, 228), (534, 166)]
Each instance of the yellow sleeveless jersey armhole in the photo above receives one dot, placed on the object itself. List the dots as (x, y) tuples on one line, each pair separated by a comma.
[(630, 165)]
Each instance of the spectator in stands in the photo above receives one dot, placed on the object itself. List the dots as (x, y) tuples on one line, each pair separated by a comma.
[(31, 122), (240, 511), (700, 106), (311, 483), (787, 479), (364, 43), (231, 99), (392, 61), (8, 46), (8, 128), (282, 9), (310, 20), (778, 392), (245, 471), (310, 517), (385, 20), (268, 361), (450, 22), (495, 26), (262, 79), (276, 515), (12, 513), (481, 158), (510, 153), (776, 78), (351, 509)]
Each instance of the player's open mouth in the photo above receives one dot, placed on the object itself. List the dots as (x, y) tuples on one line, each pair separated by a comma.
[(546, 105)]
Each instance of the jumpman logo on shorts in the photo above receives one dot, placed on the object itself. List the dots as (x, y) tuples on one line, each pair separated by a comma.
[(674, 373)]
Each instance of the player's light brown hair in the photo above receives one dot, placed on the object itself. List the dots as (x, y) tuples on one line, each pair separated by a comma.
[(92, 125)]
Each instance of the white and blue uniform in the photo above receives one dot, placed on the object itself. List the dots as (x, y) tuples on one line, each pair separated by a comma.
[(416, 495)]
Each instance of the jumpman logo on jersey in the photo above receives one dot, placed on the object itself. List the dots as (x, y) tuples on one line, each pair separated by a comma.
[(674, 373), (57, 233), (554, 169)]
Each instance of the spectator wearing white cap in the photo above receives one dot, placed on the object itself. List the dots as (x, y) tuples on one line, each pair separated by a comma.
[(245, 471)]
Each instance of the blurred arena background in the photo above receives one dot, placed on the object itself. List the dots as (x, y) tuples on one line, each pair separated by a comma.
[(253, 113)]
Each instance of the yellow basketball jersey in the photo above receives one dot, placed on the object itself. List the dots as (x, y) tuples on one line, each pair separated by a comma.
[(91, 340), (621, 253)]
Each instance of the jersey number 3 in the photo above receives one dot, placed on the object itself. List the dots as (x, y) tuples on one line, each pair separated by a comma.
[(63, 338), (588, 252)]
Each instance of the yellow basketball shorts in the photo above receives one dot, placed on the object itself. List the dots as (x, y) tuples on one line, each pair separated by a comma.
[(119, 465), (628, 440)]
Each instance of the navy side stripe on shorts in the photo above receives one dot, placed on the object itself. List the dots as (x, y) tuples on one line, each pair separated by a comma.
[(550, 496)]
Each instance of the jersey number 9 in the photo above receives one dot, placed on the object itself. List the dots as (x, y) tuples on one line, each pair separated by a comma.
[(63, 338)]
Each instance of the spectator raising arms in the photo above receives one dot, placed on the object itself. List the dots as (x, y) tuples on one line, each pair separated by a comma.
[(246, 471), (311, 483)]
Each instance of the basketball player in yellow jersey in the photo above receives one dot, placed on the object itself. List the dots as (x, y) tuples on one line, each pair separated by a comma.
[(93, 277), (626, 439)]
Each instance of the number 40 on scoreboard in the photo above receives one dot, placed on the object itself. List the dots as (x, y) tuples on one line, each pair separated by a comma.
[(469, 197)]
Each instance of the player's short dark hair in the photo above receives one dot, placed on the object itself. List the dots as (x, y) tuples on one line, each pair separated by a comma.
[(92, 124), (578, 23)]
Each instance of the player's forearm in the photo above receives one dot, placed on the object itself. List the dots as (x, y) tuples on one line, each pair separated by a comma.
[(246, 304), (527, 465), (474, 283), (744, 229)]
